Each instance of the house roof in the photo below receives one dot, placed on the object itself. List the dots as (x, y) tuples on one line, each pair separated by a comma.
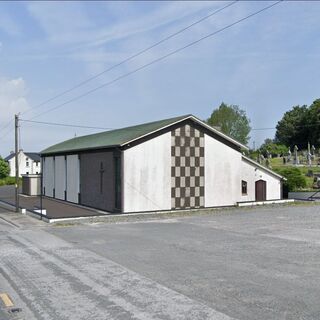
[(32, 155), (263, 167), (121, 137), (9, 157)]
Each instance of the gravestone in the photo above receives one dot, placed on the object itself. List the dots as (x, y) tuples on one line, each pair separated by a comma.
[(309, 158), (268, 154), (267, 163), (313, 153), (289, 155), (296, 157)]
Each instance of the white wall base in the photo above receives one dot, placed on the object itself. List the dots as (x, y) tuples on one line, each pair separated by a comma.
[(259, 203)]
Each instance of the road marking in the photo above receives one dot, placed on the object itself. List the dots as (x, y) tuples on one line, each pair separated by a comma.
[(6, 300)]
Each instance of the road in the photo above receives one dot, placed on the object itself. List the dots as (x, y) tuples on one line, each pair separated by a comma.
[(234, 264)]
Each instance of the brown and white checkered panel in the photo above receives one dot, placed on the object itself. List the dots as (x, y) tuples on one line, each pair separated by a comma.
[(187, 168)]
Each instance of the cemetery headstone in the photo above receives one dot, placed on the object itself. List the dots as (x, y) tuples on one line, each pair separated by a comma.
[(296, 157)]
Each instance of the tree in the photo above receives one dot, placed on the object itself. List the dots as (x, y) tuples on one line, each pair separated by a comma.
[(314, 123), (232, 121), (275, 149), (292, 129), (299, 126), (4, 169)]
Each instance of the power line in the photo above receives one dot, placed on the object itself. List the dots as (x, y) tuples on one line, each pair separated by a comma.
[(6, 125), (54, 124), (65, 125), (6, 133), (157, 60), (131, 57), (275, 128), (104, 128)]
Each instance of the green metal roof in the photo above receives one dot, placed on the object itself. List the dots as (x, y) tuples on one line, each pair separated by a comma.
[(111, 138)]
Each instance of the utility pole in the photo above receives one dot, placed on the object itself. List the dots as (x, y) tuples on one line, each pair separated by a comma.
[(16, 138), (41, 186)]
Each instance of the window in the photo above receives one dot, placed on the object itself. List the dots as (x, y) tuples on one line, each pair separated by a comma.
[(244, 187), (37, 163), (27, 164)]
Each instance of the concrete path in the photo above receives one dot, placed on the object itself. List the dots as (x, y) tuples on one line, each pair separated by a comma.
[(55, 209)]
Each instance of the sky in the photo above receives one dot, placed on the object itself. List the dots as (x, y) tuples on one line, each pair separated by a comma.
[(265, 65)]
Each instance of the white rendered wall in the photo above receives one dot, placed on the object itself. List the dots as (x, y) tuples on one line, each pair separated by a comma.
[(60, 177), (23, 168), (36, 167), (73, 178), (12, 167), (251, 174), (48, 176), (222, 173), (147, 175)]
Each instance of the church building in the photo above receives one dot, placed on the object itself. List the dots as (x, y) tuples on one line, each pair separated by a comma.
[(172, 164)]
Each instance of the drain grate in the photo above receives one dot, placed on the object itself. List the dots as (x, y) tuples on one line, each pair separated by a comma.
[(15, 310)]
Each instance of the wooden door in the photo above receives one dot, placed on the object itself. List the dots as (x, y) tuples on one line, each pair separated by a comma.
[(261, 190)]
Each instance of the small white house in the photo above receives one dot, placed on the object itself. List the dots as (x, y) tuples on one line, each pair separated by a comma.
[(177, 163), (29, 163)]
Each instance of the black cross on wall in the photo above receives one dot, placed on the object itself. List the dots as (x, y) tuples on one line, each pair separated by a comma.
[(101, 177)]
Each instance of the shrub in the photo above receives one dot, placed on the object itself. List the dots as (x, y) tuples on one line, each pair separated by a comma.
[(295, 179), (8, 181), (4, 168)]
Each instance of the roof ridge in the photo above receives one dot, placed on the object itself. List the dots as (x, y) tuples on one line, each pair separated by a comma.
[(122, 136), (135, 126), (118, 136)]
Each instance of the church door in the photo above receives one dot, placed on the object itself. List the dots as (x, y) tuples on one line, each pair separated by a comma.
[(261, 190)]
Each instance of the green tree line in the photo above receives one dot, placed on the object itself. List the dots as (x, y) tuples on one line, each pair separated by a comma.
[(299, 126)]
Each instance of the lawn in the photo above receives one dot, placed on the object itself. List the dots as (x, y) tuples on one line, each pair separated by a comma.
[(277, 163)]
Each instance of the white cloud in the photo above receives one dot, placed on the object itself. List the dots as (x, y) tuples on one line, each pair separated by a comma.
[(62, 22), (73, 25), (13, 99)]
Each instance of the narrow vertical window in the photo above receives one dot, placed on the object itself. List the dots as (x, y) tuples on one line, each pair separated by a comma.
[(244, 187)]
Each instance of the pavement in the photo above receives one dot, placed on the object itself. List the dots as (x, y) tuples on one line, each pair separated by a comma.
[(55, 209), (249, 263)]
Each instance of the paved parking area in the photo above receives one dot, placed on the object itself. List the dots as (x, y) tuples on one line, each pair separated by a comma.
[(246, 264), (55, 209)]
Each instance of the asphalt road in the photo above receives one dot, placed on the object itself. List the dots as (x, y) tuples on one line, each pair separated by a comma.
[(237, 264)]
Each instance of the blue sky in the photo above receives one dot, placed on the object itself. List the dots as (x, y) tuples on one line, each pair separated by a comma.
[(265, 65)]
